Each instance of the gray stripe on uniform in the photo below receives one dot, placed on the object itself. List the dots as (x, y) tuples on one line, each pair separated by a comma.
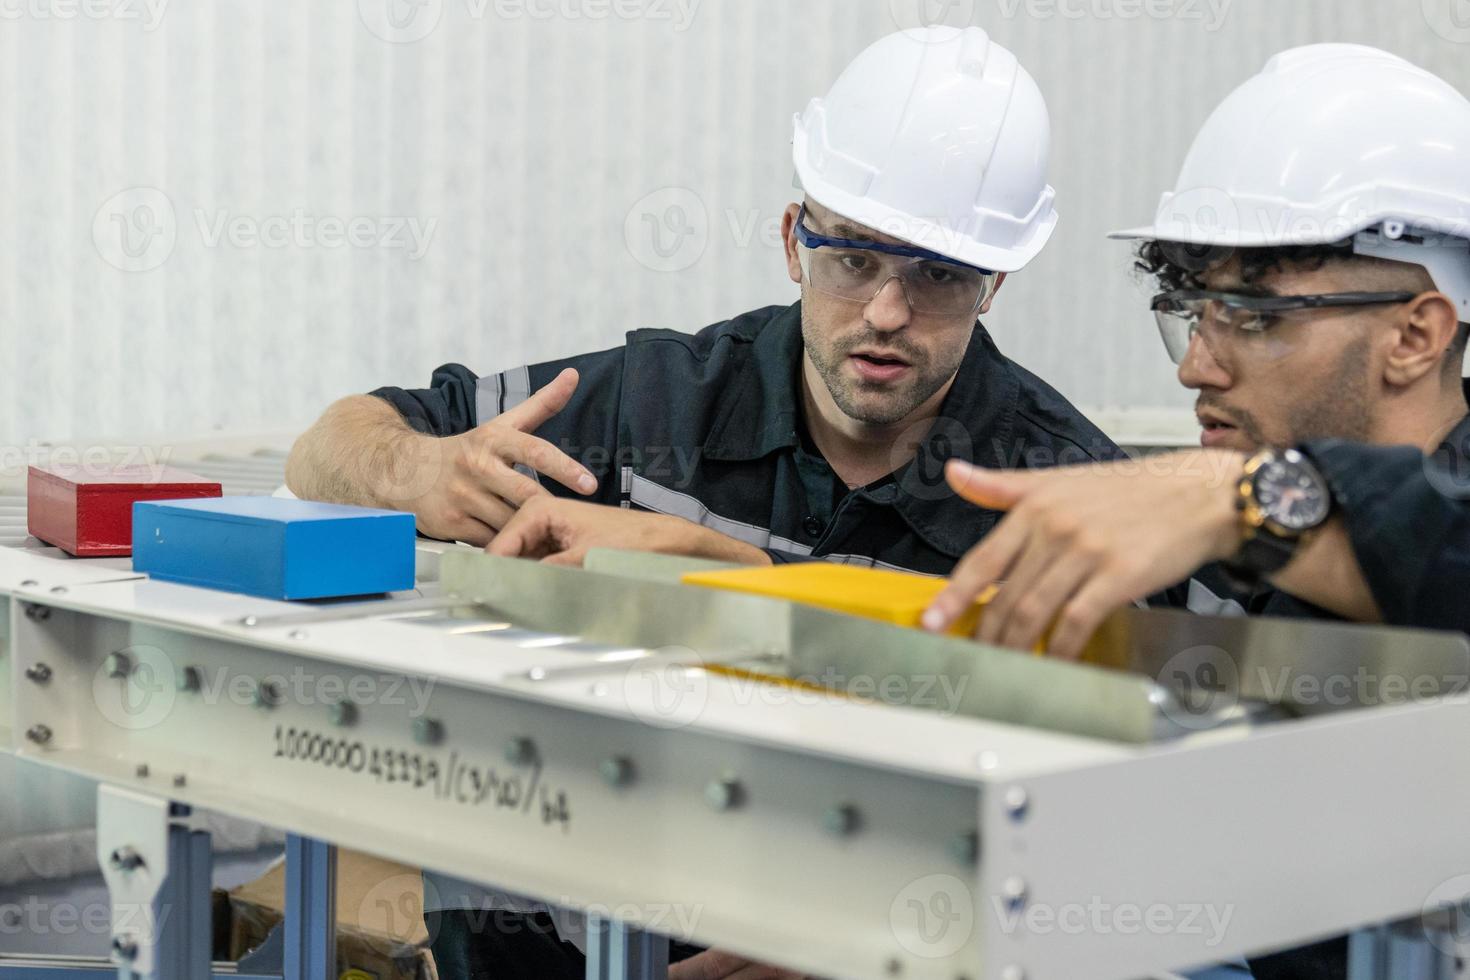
[(496, 394), (651, 496)]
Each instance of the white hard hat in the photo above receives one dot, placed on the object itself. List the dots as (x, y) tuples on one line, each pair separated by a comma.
[(938, 137), (1332, 142)]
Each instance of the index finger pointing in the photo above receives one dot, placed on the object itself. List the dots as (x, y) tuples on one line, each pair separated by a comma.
[(545, 458), (545, 402)]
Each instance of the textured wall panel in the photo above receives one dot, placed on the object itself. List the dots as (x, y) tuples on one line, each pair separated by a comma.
[(551, 154)]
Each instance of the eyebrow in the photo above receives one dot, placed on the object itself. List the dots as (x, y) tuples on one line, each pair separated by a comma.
[(842, 229)]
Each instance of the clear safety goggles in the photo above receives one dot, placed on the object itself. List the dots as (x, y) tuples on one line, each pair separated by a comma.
[(1186, 312), (858, 270)]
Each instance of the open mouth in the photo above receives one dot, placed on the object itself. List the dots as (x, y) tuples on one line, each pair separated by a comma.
[(881, 361), (878, 368), (1215, 430)]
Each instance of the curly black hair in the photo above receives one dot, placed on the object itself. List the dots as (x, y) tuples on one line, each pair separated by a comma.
[(1174, 265)]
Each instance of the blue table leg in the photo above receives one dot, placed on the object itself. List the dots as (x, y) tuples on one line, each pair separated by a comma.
[(616, 951), (311, 909)]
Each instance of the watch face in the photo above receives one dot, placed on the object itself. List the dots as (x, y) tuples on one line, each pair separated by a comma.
[(1291, 493)]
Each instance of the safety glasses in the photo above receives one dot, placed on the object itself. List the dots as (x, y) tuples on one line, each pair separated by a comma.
[(1185, 312), (858, 271)]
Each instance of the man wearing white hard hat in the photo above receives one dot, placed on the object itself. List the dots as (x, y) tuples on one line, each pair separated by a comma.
[(816, 430), (1314, 262)]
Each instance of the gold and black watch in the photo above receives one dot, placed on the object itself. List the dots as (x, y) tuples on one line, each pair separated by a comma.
[(1282, 498)]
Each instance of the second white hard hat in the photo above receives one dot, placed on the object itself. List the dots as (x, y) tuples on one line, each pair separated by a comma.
[(1329, 143), (937, 137)]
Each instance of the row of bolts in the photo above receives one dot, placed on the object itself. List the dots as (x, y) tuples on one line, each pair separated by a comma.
[(723, 793)]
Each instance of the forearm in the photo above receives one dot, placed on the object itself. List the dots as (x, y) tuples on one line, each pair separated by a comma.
[(359, 452), (687, 538), (1326, 573)]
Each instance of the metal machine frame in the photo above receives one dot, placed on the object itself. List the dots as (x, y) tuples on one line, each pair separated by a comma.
[(638, 769)]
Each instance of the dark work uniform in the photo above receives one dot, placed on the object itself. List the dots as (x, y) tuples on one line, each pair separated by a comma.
[(1408, 517), (709, 427)]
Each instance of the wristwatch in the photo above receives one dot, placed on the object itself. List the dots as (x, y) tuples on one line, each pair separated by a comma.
[(1282, 498)]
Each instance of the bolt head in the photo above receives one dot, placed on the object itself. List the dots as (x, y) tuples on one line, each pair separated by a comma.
[(28, 583), (343, 713), (841, 820), (617, 771), (428, 731), (40, 673), (520, 751), (124, 949), (118, 664), (268, 694), (1017, 802), (125, 859), (1013, 891), (58, 590), (40, 734), (724, 793)]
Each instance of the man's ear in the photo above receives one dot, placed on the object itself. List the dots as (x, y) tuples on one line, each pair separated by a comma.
[(1426, 327), (998, 283), (788, 241)]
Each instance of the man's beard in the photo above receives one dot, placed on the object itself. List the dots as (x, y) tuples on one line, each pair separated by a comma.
[(1338, 409), (874, 404)]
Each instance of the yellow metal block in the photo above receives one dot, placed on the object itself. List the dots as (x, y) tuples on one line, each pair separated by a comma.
[(875, 593)]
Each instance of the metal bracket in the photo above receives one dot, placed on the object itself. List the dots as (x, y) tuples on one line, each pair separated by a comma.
[(157, 868)]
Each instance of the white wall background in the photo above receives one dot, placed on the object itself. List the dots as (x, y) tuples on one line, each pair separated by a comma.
[(525, 147)]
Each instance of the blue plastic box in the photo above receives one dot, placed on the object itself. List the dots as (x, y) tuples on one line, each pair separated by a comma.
[(274, 547)]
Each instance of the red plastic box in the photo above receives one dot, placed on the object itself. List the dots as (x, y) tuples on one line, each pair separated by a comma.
[(89, 513)]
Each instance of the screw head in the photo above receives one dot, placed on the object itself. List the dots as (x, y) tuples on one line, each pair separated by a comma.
[(40, 673), (343, 713), (841, 820), (616, 771), (125, 859), (179, 779), (58, 590), (1017, 802), (1013, 891), (124, 949), (189, 679), (267, 694), (118, 664), (965, 847), (520, 751), (28, 583), (428, 731), (724, 793), (37, 613), (40, 734), (142, 771)]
